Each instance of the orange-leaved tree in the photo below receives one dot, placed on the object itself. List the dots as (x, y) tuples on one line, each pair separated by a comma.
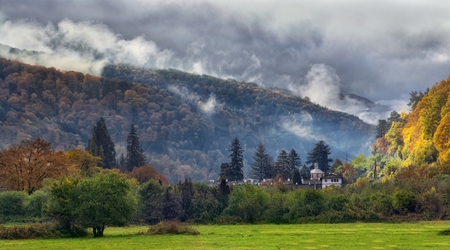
[(25, 166)]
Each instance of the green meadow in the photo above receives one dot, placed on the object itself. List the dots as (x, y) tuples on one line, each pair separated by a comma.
[(421, 235)]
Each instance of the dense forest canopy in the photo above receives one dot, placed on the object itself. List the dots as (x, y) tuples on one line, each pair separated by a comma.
[(184, 121)]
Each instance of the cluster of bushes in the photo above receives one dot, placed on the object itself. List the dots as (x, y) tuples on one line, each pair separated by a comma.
[(17, 206)]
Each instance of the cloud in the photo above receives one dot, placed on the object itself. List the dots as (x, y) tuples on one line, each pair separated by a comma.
[(208, 107), (380, 50)]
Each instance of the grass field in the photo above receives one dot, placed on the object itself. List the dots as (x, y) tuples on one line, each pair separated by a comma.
[(423, 235)]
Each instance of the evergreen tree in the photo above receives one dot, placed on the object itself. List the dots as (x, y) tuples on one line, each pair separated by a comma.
[(305, 172), (100, 144), (236, 161), (319, 155), (382, 128), (261, 168), (224, 171), (135, 154), (171, 206), (295, 161), (283, 165), (296, 179)]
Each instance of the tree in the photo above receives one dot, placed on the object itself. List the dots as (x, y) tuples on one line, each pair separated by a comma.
[(236, 161), (261, 167), (151, 195), (86, 163), (100, 144), (26, 165), (319, 155), (135, 153), (382, 128), (295, 161), (282, 165), (105, 200), (415, 98), (296, 178), (336, 164), (146, 173)]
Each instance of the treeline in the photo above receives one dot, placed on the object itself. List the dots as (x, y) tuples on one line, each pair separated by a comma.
[(403, 199)]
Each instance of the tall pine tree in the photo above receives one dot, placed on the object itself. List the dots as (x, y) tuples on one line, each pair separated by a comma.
[(295, 162), (319, 155), (135, 154), (100, 144), (236, 161), (261, 166), (282, 165)]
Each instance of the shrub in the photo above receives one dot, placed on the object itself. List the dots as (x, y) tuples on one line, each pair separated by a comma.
[(12, 205), (38, 230), (171, 227)]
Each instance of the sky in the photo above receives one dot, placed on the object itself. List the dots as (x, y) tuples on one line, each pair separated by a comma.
[(381, 50)]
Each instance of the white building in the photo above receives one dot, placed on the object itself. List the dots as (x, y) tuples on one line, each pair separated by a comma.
[(331, 180)]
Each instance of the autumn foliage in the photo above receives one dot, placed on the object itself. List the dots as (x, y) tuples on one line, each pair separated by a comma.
[(145, 173), (25, 166)]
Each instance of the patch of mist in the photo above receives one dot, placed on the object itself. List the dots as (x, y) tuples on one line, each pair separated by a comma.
[(208, 107), (323, 86)]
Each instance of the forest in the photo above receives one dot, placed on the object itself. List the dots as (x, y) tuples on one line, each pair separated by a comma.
[(184, 121)]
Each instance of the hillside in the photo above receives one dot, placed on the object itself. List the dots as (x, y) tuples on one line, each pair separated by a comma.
[(423, 136), (185, 121)]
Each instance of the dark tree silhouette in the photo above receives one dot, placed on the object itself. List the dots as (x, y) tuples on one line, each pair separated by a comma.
[(295, 162), (261, 167), (236, 161), (319, 155), (282, 165), (135, 154), (100, 144)]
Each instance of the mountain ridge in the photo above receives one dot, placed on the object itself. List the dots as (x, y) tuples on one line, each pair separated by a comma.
[(185, 121)]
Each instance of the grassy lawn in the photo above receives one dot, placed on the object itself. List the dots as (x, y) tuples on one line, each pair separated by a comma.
[(423, 235)]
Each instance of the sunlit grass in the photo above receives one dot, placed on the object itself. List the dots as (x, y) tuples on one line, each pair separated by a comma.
[(423, 235)]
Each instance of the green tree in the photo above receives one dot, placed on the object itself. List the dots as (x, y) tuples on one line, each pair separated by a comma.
[(151, 198), (97, 202), (100, 144), (135, 153), (105, 200), (236, 161), (319, 155), (261, 167), (248, 202)]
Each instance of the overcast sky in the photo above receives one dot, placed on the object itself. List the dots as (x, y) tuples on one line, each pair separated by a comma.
[(380, 49)]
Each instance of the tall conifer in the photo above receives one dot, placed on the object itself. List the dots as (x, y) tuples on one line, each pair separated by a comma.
[(135, 153), (100, 144), (236, 161)]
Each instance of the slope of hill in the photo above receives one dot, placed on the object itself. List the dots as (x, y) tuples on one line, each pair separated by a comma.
[(185, 121), (423, 136)]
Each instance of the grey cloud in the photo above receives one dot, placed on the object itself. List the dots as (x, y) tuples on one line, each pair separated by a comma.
[(380, 50)]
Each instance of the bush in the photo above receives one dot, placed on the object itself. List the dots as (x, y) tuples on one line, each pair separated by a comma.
[(12, 206), (39, 230), (171, 227)]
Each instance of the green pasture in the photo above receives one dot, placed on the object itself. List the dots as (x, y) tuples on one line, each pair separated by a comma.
[(421, 235)]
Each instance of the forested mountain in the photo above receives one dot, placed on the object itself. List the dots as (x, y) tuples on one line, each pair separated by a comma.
[(185, 122), (423, 136)]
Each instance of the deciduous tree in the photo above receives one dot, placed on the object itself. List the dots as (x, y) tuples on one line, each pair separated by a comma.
[(25, 166)]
